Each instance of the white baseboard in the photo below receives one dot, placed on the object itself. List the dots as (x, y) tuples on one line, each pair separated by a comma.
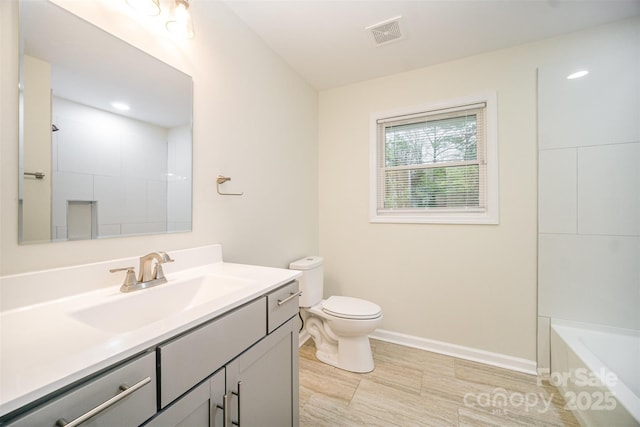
[(462, 352)]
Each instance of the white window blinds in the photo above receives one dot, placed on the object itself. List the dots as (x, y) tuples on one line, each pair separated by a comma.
[(432, 162)]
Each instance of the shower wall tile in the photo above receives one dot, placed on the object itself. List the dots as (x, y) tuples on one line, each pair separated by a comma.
[(557, 191), (179, 201), (120, 200), (107, 230), (609, 190), (179, 226), (81, 150), (568, 114), (180, 151), (144, 152), (113, 153), (156, 201), (179, 179), (144, 228), (589, 211), (592, 279)]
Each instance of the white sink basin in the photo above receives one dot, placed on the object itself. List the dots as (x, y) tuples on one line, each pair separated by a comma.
[(126, 312)]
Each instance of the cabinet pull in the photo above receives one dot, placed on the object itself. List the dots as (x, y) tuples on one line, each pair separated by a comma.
[(226, 412), (126, 391), (238, 394), (289, 298)]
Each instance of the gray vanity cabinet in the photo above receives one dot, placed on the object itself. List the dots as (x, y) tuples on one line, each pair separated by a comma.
[(261, 389), (264, 381), (254, 353), (240, 369)]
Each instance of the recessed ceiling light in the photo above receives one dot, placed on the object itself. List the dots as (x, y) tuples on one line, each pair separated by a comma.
[(577, 74), (120, 106)]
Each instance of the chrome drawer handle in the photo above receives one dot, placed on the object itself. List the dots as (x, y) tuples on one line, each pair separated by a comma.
[(289, 298), (126, 391), (226, 410)]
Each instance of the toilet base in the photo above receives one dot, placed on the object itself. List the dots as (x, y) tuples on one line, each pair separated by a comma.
[(352, 354)]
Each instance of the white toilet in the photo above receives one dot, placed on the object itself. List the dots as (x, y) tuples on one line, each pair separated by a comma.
[(339, 326)]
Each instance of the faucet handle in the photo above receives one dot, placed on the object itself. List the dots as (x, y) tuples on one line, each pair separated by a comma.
[(130, 278), (166, 257), (158, 273)]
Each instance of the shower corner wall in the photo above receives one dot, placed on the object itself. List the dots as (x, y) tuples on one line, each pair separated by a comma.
[(588, 181)]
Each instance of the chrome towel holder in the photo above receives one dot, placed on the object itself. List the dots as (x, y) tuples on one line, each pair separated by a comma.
[(221, 180)]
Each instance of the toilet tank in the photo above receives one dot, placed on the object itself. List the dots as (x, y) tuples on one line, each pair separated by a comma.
[(312, 280)]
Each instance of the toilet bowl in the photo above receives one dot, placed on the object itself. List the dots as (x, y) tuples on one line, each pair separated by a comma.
[(341, 335), (339, 325)]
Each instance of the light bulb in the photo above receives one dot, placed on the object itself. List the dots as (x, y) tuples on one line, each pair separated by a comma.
[(180, 23)]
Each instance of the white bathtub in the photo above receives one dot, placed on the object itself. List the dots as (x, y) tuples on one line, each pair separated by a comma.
[(597, 369)]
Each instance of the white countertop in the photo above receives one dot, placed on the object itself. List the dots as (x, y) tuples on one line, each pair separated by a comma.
[(44, 347)]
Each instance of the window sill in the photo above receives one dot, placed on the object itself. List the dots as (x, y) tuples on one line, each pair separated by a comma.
[(466, 218)]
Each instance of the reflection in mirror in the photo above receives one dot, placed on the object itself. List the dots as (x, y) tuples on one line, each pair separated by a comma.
[(105, 133)]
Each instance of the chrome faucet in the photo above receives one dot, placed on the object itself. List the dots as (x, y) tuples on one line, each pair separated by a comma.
[(147, 278)]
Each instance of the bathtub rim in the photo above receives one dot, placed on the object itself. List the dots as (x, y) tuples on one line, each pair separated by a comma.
[(567, 331)]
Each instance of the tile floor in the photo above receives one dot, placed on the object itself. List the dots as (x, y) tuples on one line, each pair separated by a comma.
[(411, 387)]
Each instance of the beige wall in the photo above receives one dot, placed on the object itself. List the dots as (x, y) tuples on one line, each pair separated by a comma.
[(36, 193), (471, 285), (254, 120)]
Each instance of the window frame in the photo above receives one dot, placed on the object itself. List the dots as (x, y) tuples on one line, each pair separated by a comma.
[(488, 215)]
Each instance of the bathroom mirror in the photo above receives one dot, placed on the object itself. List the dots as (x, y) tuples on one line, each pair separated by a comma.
[(105, 133)]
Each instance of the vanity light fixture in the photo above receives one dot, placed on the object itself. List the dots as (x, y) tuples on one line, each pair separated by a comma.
[(179, 22), (577, 74), (147, 7)]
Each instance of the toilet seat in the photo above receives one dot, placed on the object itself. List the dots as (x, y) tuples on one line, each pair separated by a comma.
[(351, 308)]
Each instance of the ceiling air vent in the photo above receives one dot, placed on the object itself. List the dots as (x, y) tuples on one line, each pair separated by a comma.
[(386, 31)]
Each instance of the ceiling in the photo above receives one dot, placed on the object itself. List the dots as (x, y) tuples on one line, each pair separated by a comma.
[(325, 41)]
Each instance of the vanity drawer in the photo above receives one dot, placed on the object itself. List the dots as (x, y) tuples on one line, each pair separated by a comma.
[(189, 359), (282, 305), (137, 403)]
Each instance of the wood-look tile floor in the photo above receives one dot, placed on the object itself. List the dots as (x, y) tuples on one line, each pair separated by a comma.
[(411, 387)]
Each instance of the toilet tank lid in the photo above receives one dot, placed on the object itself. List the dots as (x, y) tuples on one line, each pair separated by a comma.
[(306, 263)]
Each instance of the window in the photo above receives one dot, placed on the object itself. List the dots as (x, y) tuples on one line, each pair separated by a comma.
[(436, 164)]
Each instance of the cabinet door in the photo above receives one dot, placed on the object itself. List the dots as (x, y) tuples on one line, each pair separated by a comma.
[(200, 407), (264, 381)]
